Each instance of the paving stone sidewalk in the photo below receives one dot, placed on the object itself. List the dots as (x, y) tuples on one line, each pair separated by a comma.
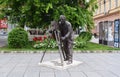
[(26, 65)]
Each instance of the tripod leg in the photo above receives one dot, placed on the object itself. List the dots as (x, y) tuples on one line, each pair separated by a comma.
[(64, 56), (59, 46), (63, 53), (43, 56), (44, 52)]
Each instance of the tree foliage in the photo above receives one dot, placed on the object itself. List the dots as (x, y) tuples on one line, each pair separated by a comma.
[(39, 13)]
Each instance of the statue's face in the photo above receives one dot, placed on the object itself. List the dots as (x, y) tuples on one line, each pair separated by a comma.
[(62, 19)]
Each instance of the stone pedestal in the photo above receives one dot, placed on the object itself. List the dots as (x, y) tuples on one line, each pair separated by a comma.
[(56, 64)]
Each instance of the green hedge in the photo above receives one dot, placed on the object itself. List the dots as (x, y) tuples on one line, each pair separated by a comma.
[(18, 38), (82, 39), (85, 36)]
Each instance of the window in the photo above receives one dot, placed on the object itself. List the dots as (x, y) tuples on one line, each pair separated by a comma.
[(116, 3), (104, 6), (100, 7), (109, 4)]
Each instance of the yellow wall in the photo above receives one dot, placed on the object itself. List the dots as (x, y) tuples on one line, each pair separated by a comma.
[(101, 7)]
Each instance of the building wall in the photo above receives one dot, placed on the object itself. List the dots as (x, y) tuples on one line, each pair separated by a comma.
[(106, 6), (108, 10)]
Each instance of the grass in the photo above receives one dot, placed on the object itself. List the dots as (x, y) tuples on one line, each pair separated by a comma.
[(26, 49), (90, 46), (94, 46)]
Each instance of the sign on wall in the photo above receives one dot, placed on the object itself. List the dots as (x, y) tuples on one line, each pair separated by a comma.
[(116, 33), (3, 23)]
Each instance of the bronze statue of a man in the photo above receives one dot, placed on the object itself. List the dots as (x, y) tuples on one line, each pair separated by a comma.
[(66, 34)]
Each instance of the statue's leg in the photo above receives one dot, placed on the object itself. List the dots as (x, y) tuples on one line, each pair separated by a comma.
[(70, 52), (68, 48)]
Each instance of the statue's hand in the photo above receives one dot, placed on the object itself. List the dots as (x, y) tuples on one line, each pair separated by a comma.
[(62, 38)]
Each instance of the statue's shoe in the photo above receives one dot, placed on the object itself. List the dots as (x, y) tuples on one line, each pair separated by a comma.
[(66, 59), (69, 62)]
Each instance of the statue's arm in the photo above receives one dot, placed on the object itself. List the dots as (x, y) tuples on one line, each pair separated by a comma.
[(69, 31)]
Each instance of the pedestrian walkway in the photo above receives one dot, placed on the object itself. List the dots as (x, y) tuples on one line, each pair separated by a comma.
[(26, 65)]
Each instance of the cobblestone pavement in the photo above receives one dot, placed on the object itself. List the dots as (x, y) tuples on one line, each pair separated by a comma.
[(26, 65)]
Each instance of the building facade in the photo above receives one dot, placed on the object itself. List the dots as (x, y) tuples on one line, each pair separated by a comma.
[(107, 22)]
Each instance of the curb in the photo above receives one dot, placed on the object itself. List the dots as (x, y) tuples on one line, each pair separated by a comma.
[(76, 51)]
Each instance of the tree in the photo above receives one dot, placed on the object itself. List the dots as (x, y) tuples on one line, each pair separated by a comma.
[(39, 13)]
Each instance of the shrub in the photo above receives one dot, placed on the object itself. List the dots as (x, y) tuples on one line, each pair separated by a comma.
[(85, 35), (82, 39), (17, 38), (49, 43), (40, 38)]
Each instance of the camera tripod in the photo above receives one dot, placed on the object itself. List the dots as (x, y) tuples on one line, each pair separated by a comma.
[(61, 52)]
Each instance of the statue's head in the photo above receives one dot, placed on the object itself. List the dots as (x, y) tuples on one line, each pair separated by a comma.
[(62, 19)]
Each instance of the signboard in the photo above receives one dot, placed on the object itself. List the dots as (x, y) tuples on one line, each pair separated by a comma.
[(3, 23), (116, 33)]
